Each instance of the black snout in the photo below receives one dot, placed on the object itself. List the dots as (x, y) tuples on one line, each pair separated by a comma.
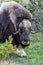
[(26, 40), (24, 36)]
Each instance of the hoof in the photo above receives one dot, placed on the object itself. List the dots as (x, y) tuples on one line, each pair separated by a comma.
[(21, 53)]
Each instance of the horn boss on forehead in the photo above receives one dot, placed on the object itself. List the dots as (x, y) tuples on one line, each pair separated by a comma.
[(26, 23)]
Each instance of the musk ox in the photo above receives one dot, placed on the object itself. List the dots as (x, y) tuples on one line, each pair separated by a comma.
[(15, 20)]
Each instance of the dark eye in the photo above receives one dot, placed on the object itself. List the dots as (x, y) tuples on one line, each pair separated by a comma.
[(29, 29), (21, 29)]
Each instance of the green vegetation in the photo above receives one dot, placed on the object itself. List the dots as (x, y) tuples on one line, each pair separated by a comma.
[(35, 50), (6, 48), (34, 53)]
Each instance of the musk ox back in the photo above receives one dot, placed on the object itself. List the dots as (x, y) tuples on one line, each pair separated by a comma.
[(15, 20)]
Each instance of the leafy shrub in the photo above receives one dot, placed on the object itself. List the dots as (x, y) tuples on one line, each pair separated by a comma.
[(19, 1), (6, 48)]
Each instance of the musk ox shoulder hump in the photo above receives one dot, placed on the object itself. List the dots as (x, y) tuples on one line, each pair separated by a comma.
[(6, 5), (18, 9)]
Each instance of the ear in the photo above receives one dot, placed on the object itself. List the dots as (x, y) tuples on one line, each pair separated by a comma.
[(4, 20), (13, 18)]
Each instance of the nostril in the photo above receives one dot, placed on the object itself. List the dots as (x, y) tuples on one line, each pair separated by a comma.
[(25, 40)]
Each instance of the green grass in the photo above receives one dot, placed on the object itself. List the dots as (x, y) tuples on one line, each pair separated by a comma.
[(34, 53)]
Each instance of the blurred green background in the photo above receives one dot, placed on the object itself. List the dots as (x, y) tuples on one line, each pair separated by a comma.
[(35, 50)]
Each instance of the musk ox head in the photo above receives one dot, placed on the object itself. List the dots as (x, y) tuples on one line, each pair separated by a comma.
[(24, 31)]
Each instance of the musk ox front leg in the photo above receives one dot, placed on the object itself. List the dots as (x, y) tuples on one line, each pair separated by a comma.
[(21, 52)]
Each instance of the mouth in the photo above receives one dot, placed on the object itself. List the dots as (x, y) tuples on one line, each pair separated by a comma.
[(25, 43)]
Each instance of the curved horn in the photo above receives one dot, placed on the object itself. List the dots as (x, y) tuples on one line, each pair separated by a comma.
[(33, 32)]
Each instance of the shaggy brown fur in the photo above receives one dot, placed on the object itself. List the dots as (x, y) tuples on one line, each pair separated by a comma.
[(11, 14)]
